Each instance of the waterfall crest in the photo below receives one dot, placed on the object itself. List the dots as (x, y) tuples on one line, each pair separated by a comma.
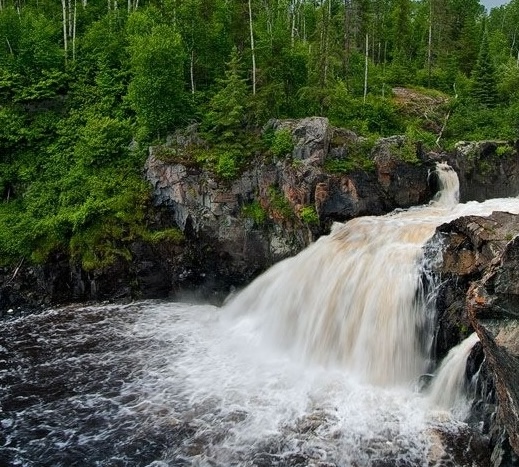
[(354, 298)]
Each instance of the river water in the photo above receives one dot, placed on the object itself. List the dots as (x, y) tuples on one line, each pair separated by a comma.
[(317, 362)]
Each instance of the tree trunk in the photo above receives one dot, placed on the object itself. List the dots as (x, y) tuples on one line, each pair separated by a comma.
[(69, 17), (192, 72), (346, 37), (74, 32), (253, 52), (429, 46), (65, 39), (366, 69)]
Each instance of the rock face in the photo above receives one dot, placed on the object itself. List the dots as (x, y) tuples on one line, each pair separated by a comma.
[(480, 291), (487, 169), (278, 206)]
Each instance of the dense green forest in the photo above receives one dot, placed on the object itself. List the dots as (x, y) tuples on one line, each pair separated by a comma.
[(86, 86)]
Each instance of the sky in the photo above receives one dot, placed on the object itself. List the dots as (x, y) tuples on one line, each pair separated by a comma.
[(492, 3)]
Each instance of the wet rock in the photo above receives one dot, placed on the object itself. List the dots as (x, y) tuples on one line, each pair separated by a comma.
[(493, 308), (487, 169), (479, 291)]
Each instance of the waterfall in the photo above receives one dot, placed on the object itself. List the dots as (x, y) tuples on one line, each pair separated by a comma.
[(314, 363), (354, 298), (448, 386)]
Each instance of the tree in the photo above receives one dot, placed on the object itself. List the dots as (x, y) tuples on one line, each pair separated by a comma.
[(484, 84), (226, 115), (156, 90)]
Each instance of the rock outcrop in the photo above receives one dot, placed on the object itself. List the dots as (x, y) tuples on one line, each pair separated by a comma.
[(479, 290), (487, 169), (279, 205)]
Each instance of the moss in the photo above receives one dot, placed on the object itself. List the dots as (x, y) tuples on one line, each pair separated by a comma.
[(309, 216), (358, 157), (254, 211), (282, 143), (173, 235), (279, 204), (504, 152), (407, 152)]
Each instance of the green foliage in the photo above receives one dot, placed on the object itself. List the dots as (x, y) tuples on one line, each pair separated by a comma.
[(225, 118), (173, 235), (156, 90), (377, 116), (508, 83), (358, 157), (70, 167), (407, 152), (279, 206), (227, 165), (282, 143), (504, 151), (309, 216), (414, 132), (103, 141), (254, 211), (484, 86)]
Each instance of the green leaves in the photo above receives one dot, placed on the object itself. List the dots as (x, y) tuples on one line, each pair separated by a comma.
[(226, 112), (484, 85), (103, 141), (156, 90)]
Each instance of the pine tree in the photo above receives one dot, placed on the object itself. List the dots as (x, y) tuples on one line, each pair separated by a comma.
[(484, 85), (226, 111)]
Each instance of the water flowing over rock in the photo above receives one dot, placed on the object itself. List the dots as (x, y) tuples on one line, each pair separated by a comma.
[(479, 291), (213, 213), (317, 360)]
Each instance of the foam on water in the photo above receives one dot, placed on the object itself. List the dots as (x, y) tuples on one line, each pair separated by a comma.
[(354, 298), (315, 362)]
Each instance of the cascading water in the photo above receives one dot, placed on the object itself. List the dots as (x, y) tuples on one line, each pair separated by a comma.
[(354, 298), (447, 389), (314, 363)]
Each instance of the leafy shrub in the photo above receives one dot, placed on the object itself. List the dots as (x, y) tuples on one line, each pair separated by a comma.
[(407, 152), (282, 143), (279, 204), (309, 216), (227, 166), (358, 157), (255, 212)]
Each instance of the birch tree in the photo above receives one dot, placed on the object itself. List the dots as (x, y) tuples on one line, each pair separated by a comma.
[(253, 50)]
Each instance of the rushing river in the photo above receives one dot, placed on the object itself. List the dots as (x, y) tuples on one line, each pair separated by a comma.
[(317, 362)]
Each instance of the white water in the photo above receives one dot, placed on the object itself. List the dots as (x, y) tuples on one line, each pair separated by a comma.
[(448, 387), (314, 363), (353, 300)]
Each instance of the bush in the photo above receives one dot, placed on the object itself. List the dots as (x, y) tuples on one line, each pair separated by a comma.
[(255, 212), (227, 166), (309, 216), (282, 143)]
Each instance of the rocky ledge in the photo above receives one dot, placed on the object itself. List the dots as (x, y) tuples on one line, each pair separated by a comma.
[(282, 203), (479, 291), (235, 229)]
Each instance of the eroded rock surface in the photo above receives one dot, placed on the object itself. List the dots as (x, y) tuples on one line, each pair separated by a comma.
[(480, 291)]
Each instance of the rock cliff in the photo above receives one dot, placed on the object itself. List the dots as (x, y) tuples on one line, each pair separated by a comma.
[(280, 204), (479, 291)]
